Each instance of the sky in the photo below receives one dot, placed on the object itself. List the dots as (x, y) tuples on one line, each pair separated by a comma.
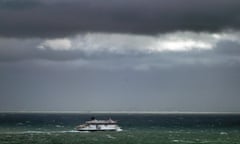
[(128, 55)]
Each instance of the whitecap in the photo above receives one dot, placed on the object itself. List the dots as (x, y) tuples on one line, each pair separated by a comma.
[(72, 131), (182, 141), (20, 124), (110, 137), (43, 132), (223, 133), (59, 126)]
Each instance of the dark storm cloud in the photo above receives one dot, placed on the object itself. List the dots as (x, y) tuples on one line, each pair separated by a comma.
[(35, 18), (101, 50)]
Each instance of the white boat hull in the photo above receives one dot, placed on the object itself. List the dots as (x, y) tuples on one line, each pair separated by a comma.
[(99, 125), (99, 128)]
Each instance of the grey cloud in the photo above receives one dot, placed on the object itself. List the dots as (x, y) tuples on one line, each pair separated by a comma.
[(19, 5), (229, 48), (27, 86), (35, 18), (120, 51)]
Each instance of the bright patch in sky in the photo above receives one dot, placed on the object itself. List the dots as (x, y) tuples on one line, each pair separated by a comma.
[(56, 44), (91, 43), (122, 43), (181, 45), (140, 51)]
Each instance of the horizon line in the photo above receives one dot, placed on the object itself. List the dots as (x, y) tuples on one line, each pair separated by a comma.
[(117, 112)]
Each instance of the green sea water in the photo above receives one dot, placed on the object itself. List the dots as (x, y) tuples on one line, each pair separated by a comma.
[(137, 129)]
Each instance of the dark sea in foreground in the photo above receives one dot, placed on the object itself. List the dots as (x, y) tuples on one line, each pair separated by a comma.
[(137, 129)]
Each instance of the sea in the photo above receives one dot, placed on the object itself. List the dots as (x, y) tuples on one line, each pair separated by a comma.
[(30, 128)]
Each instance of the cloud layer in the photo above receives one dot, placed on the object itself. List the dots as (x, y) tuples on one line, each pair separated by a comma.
[(163, 55), (127, 50), (42, 18)]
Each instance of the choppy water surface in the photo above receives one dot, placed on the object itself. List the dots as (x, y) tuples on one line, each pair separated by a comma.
[(138, 129)]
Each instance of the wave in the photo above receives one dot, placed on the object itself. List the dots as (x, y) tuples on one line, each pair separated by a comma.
[(43, 132)]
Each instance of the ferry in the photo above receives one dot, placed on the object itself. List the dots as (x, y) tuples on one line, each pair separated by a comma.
[(99, 125)]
